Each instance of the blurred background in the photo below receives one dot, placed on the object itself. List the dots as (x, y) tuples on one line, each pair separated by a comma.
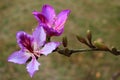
[(102, 17)]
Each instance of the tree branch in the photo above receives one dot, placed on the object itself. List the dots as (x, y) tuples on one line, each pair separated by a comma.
[(69, 52)]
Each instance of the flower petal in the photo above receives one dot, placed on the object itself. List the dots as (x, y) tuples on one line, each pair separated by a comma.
[(49, 13), (61, 19), (40, 17), (53, 32), (19, 57), (39, 36), (32, 66), (49, 47), (24, 40)]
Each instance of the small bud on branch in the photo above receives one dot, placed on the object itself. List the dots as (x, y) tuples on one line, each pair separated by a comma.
[(97, 45), (100, 45), (64, 41), (89, 36)]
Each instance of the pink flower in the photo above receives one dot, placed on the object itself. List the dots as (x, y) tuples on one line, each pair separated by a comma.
[(32, 47), (54, 25)]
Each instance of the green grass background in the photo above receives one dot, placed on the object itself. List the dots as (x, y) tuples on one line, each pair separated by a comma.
[(102, 17)]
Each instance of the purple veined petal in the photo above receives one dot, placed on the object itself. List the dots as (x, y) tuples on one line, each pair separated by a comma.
[(32, 66), (53, 32), (39, 37), (50, 31), (49, 47), (59, 32), (40, 17), (18, 35), (24, 40), (19, 57), (61, 19), (49, 12)]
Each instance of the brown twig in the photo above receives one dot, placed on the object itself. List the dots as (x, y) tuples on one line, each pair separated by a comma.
[(69, 52)]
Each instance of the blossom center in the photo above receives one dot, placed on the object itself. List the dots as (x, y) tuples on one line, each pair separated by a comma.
[(36, 54)]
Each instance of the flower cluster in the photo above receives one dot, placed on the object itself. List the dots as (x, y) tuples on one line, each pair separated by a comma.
[(34, 46)]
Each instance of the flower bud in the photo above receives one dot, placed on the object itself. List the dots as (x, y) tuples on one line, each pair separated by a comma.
[(64, 41), (81, 39), (89, 36), (114, 51), (100, 45)]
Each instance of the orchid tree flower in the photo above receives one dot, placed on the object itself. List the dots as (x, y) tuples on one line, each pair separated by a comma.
[(32, 47), (54, 25)]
